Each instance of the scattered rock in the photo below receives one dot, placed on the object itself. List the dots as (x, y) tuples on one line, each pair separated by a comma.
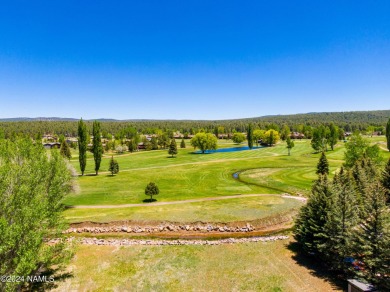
[(128, 242), (169, 227)]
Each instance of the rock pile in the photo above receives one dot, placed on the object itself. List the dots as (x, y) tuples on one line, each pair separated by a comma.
[(129, 242), (162, 228)]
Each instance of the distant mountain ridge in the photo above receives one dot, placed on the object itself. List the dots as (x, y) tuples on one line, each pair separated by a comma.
[(348, 115)]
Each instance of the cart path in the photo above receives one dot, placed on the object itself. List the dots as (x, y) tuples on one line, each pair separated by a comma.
[(302, 199)]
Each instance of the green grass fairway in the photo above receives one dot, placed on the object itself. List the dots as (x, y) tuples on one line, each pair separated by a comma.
[(240, 267), (192, 175), (210, 211), (267, 170)]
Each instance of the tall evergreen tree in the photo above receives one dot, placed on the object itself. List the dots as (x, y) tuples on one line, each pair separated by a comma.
[(250, 136), (163, 140), (388, 134), (323, 165), (83, 144), (271, 138), (386, 180), (363, 172), (341, 219), (372, 237), (182, 144), (172, 147), (290, 144), (114, 166), (65, 150), (310, 229), (97, 147)]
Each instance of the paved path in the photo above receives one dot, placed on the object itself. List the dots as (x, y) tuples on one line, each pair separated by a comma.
[(181, 202)]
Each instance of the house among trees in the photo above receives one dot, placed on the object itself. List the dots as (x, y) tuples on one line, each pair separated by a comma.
[(149, 137), (223, 136), (50, 138), (297, 135), (71, 141), (52, 145), (178, 135)]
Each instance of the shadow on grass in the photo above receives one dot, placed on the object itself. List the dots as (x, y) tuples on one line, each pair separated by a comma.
[(171, 156), (149, 200), (317, 267), (66, 207)]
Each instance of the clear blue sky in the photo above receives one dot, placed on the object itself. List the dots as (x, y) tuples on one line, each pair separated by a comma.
[(192, 59)]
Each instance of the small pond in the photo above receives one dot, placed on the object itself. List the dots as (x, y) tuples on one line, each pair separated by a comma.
[(232, 149)]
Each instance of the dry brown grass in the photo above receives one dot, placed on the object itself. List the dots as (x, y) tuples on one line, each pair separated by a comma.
[(240, 267)]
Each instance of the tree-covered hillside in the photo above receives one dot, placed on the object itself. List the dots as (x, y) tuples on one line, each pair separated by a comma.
[(349, 121)]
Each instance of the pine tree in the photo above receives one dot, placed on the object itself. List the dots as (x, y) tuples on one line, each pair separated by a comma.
[(83, 144), (114, 166), (386, 180), (151, 190), (364, 172), (310, 224), (341, 220), (97, 147), (323, 165), (372, 236), (172, 148), (65, 150), (250, 136), (182, 144), (290, 144)]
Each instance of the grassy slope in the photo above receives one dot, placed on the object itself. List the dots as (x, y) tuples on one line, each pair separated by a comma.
[(240, 267)]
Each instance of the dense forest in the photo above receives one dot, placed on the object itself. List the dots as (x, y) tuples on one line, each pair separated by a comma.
[(348, 121)]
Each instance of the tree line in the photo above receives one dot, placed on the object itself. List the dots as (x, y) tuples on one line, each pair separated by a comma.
[(366, 121)]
